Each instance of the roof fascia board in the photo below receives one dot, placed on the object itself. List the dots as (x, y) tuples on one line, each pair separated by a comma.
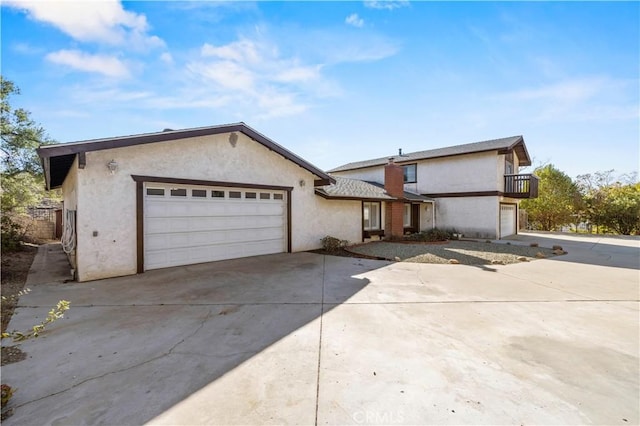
[(415, 160), (49, 151), (331, 197)]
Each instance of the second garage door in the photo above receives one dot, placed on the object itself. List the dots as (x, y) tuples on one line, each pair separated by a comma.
[(507, 220), (185, 225)]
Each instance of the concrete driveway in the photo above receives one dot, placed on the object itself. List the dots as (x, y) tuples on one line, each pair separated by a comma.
[(310, 339)]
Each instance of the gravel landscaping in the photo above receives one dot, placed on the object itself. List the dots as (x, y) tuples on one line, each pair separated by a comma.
[(463, 252)]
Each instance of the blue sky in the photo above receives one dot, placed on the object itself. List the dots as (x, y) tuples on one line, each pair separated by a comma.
[(338, 81)]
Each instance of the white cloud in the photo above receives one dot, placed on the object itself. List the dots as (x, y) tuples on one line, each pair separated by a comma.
[(103, 21), (225, 74), (26, 49), (386, 4), (239, 51), (253, 75), (354, 20), (564, 92), (298, 73), (109, 66), (581, 99), (166, 57)]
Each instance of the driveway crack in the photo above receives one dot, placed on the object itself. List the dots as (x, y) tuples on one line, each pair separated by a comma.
[(131, 367)]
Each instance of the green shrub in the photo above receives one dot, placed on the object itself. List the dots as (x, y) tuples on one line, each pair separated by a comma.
[(333, 244), (11, 234), (432, 235)]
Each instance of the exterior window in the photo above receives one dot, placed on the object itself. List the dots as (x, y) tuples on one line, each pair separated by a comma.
[(199, 193), (409, 173), (508, 164), (178, 192), (155, 191), (371, 215), (406, 221), (235, 194), (217, 194), (277, 196), (250, 195), (265, 196)]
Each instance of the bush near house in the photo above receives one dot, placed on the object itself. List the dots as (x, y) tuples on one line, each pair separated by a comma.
[(433, 235), (333, 244), (11, 233)]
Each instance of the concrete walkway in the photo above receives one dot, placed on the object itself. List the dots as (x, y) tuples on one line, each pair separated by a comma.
[(310, 339)]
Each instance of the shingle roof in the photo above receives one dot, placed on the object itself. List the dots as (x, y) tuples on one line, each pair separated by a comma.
[(502, 145), (409, 196), (354, 189)]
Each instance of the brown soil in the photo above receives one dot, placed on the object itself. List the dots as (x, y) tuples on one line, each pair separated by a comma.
[(15, 267), (344, 253)]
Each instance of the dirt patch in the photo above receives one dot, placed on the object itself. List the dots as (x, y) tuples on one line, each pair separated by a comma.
[(345, 253), (15, 268), (455, 252)]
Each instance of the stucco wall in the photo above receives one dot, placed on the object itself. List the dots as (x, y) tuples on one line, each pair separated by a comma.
[(70, 188), (370, 174), (70, 196), (107, 202), (463, 173), (337, 218), (473, 216)]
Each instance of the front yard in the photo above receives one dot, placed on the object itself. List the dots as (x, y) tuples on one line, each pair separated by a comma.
[(463, 252)]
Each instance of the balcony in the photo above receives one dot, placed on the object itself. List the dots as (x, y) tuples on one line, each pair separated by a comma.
[(521, 186)]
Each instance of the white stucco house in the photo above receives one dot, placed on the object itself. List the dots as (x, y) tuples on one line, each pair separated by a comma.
[(476, 187), (179, 197)]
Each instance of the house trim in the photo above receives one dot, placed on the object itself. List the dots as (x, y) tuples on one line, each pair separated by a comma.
[(499, 146), (64, 154), (466, 194), (140, 181)]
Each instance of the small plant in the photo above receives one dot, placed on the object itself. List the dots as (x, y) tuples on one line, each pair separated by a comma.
[(53, 315), (15, 297), (333, 244), (7, 393)]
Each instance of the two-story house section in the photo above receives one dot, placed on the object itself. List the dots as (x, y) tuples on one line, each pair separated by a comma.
[(476, 186)]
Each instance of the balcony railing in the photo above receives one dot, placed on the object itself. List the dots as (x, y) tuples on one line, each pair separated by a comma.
[(521, 186)]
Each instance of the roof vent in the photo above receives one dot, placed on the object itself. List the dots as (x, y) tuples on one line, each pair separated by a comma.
[(167, 130)]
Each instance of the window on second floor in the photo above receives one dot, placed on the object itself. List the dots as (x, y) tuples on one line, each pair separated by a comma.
[(410, 173), (508, 164)]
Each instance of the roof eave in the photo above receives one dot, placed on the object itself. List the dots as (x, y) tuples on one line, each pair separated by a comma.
[(49, 151)]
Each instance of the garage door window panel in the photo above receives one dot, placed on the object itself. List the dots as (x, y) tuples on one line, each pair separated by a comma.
[(155, 192)]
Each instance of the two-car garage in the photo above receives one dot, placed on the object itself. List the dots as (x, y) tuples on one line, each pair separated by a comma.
[(186, 224)]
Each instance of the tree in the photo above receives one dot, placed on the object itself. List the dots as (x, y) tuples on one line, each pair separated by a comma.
[(20, 170), (557, 202), (612, 203)]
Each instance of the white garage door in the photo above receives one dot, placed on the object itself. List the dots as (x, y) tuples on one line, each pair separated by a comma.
[(194, 224), (507, 220)]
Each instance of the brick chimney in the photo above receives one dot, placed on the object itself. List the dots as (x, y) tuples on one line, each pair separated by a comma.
[(394, 211)]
